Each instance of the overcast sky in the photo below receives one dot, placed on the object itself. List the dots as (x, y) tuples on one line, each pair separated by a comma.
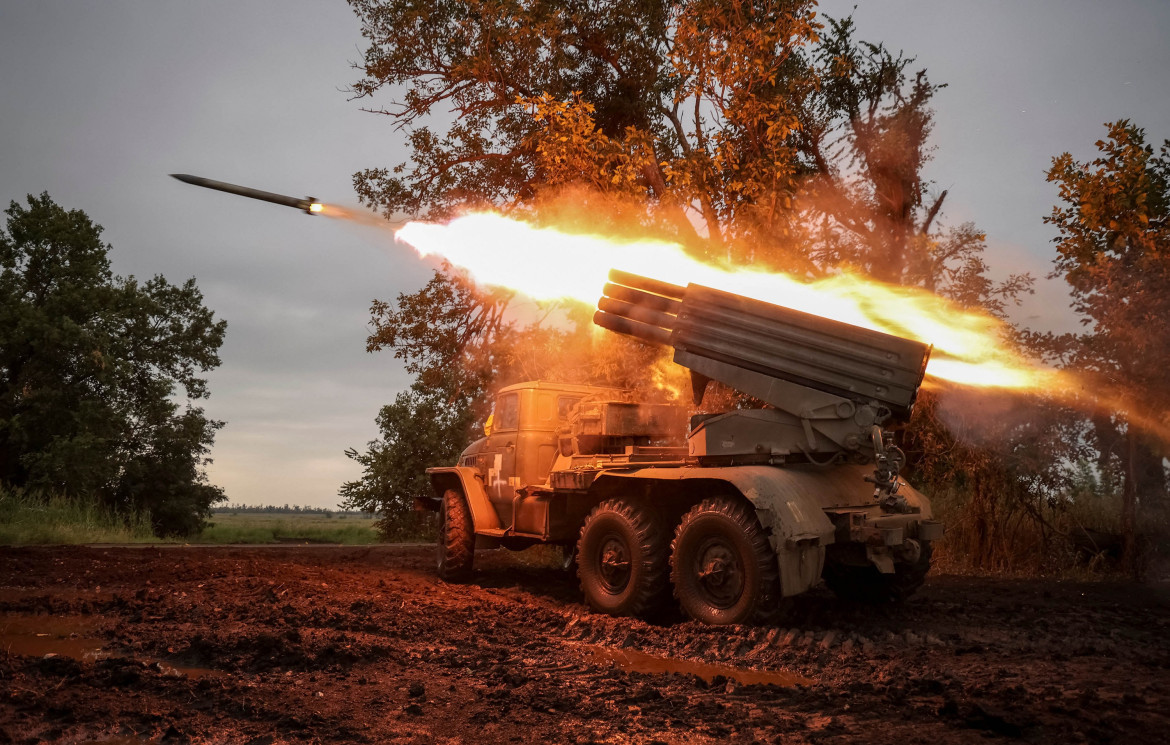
[(99, 101)]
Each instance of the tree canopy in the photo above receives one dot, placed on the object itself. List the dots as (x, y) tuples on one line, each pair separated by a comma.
[(756, 132), (91, 365), (1113, 250)]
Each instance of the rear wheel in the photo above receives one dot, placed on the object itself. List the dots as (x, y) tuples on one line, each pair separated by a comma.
[(865, 584), (723, 569), (456, 548), (622, 559)]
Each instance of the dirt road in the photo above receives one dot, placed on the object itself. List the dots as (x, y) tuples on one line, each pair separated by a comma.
[(365, 645)]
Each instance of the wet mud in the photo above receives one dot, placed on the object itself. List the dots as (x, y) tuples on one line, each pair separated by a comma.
[(260, 646)]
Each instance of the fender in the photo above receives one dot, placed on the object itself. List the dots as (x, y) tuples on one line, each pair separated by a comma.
[(465, 479)]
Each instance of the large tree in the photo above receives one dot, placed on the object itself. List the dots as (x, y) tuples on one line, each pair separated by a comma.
[(92, 370), (753, 131), (1113, 249), (749, 131)]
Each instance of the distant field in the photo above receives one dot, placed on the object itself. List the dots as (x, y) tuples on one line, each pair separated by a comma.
[(287, 527)]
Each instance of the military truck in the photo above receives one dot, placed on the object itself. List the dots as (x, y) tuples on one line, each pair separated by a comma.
[(731, 514)]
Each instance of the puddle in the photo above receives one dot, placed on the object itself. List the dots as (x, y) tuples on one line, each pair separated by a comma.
[(15, 594), (70, 636), (640, 662), (37, 636)]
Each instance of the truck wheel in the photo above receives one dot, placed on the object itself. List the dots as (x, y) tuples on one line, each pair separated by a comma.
[(867, 585), (621, 559), (721, 565), (456, 548)]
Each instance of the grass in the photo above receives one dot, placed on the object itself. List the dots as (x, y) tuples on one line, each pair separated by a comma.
[(28, 520), (284, 527)]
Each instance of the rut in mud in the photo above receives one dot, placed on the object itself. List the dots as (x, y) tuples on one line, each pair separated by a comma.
[(366, 645)]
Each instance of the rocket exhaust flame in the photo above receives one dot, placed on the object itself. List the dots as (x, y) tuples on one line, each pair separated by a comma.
[(969, 347)]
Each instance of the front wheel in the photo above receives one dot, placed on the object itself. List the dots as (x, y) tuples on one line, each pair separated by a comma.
[(723, 569), (456, 547), (621, 559)]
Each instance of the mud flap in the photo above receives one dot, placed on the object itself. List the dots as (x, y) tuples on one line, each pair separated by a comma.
[(798, 528), (800, 557)]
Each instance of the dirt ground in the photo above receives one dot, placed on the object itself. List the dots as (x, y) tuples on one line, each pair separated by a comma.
[(315, 644)]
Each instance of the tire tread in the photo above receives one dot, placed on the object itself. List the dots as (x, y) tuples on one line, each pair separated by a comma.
[(766, 604), (653, 589), (456, 537)]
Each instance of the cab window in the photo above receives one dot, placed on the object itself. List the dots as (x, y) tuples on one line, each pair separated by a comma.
[(565, 406), (507, 414)]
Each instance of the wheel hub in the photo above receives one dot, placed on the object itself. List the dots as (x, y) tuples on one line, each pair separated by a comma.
[(614, 564), (719, 572)]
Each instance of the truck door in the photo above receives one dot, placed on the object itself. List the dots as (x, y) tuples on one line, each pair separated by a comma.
[(500, 451)]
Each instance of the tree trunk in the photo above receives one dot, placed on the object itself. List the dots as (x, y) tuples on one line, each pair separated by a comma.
[(1129, 558)]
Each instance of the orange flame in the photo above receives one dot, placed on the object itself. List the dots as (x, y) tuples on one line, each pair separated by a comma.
[(547, 264)]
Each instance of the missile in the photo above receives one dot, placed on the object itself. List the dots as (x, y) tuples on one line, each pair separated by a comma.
[(309, 205)]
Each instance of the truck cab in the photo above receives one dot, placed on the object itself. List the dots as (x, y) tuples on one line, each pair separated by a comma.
[(519, 447)]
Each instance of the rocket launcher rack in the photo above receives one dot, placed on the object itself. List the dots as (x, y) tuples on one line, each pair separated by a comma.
[(830, 382), (746, 334)]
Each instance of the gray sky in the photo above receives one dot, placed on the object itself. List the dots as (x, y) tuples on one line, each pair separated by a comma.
[(99, 101)]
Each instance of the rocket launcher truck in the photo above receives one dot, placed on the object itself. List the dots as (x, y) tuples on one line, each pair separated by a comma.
[(731, 514)]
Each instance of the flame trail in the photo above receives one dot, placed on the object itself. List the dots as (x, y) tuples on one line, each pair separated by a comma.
[(969, 347)]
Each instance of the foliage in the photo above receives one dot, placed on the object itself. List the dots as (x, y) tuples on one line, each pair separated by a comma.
[(1113, 250), (864, 138), (786, 142), (422, 428), (993, 461), (446, 334), (90, 365)]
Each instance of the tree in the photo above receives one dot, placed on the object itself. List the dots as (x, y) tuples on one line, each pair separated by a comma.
[(90, 364), (422, 428), (445, 334), (741, 124), (748, 131), (454, 338), (863, 140), (1113, 249), (685, 103)]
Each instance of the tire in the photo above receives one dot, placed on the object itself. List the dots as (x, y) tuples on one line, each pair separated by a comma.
[(568, 559), (622, 559), (867, 585), (723, 569), (456, 547)]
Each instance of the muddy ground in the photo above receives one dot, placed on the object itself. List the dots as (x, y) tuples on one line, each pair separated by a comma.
[(365, 645)]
